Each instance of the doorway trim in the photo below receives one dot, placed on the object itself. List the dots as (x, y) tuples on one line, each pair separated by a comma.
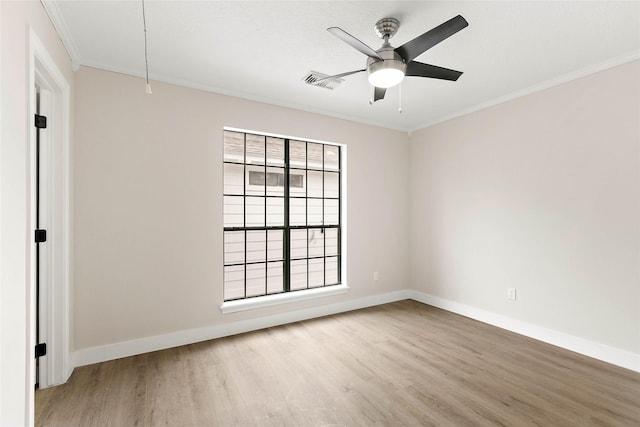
[(55, 304)]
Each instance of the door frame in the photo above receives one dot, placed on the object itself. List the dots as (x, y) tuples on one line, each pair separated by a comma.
[(45, 75)]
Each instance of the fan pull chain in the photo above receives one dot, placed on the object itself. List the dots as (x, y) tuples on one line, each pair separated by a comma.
[(146, 59), (400, 98)]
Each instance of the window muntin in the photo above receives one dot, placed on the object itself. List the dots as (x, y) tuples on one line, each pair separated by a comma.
[(281, 215)]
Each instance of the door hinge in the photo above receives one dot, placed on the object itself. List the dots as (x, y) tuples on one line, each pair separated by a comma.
[(41, 236), (41, 350), (41, 122)]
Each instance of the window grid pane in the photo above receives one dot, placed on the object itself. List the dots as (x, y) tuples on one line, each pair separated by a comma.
[(275, 212), (255, 149), (274, 245), (275, 151), (331, 270), (233, 247), (256, 245), (298, 275), (316, 242), (254, 211), (233, 211), (275, 283), (233, 282), (316, 272), (256, 279)]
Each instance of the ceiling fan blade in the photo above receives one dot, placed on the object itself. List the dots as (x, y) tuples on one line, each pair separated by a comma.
[(378, 93), (337, 76), (420, 44), (354, 42), (419, 69)]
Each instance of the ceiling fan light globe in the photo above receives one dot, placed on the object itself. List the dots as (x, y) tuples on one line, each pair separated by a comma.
[(388, 72), (386, 77)]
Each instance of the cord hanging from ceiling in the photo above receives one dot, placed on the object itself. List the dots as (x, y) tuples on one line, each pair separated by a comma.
[(146, 58)]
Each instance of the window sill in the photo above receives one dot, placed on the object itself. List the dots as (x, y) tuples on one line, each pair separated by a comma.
[(270, 300)]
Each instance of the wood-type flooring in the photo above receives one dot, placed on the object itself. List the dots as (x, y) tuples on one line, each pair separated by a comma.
[(398, 364)]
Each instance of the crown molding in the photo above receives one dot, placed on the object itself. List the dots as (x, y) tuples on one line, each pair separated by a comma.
[(613, 62), (52, 9)]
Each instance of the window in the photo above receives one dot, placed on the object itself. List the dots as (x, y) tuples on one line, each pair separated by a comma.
[(274, 179), (281, 215)]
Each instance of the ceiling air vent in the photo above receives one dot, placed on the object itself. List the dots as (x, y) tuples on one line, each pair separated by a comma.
[(312, 77)]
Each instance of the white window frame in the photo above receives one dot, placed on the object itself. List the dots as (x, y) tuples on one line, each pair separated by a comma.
[(299, 295)]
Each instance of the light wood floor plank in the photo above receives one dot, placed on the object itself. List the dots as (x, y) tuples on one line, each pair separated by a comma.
[(400, 364)]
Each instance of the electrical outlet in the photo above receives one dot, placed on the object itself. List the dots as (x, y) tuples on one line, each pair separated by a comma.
[(376, 276), (511, 294)]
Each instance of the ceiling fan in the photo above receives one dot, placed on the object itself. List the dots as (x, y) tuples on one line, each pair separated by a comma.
[(387, 66)]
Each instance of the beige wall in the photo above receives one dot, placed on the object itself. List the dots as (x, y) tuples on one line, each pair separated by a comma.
[(17, 19), (148, 205), (541, 193)]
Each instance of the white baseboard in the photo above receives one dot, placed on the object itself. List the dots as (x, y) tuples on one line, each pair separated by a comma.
[(615, 356), (593, 349), (103, 353)]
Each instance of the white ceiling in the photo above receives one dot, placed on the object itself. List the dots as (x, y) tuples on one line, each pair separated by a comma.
[(261, 50)]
